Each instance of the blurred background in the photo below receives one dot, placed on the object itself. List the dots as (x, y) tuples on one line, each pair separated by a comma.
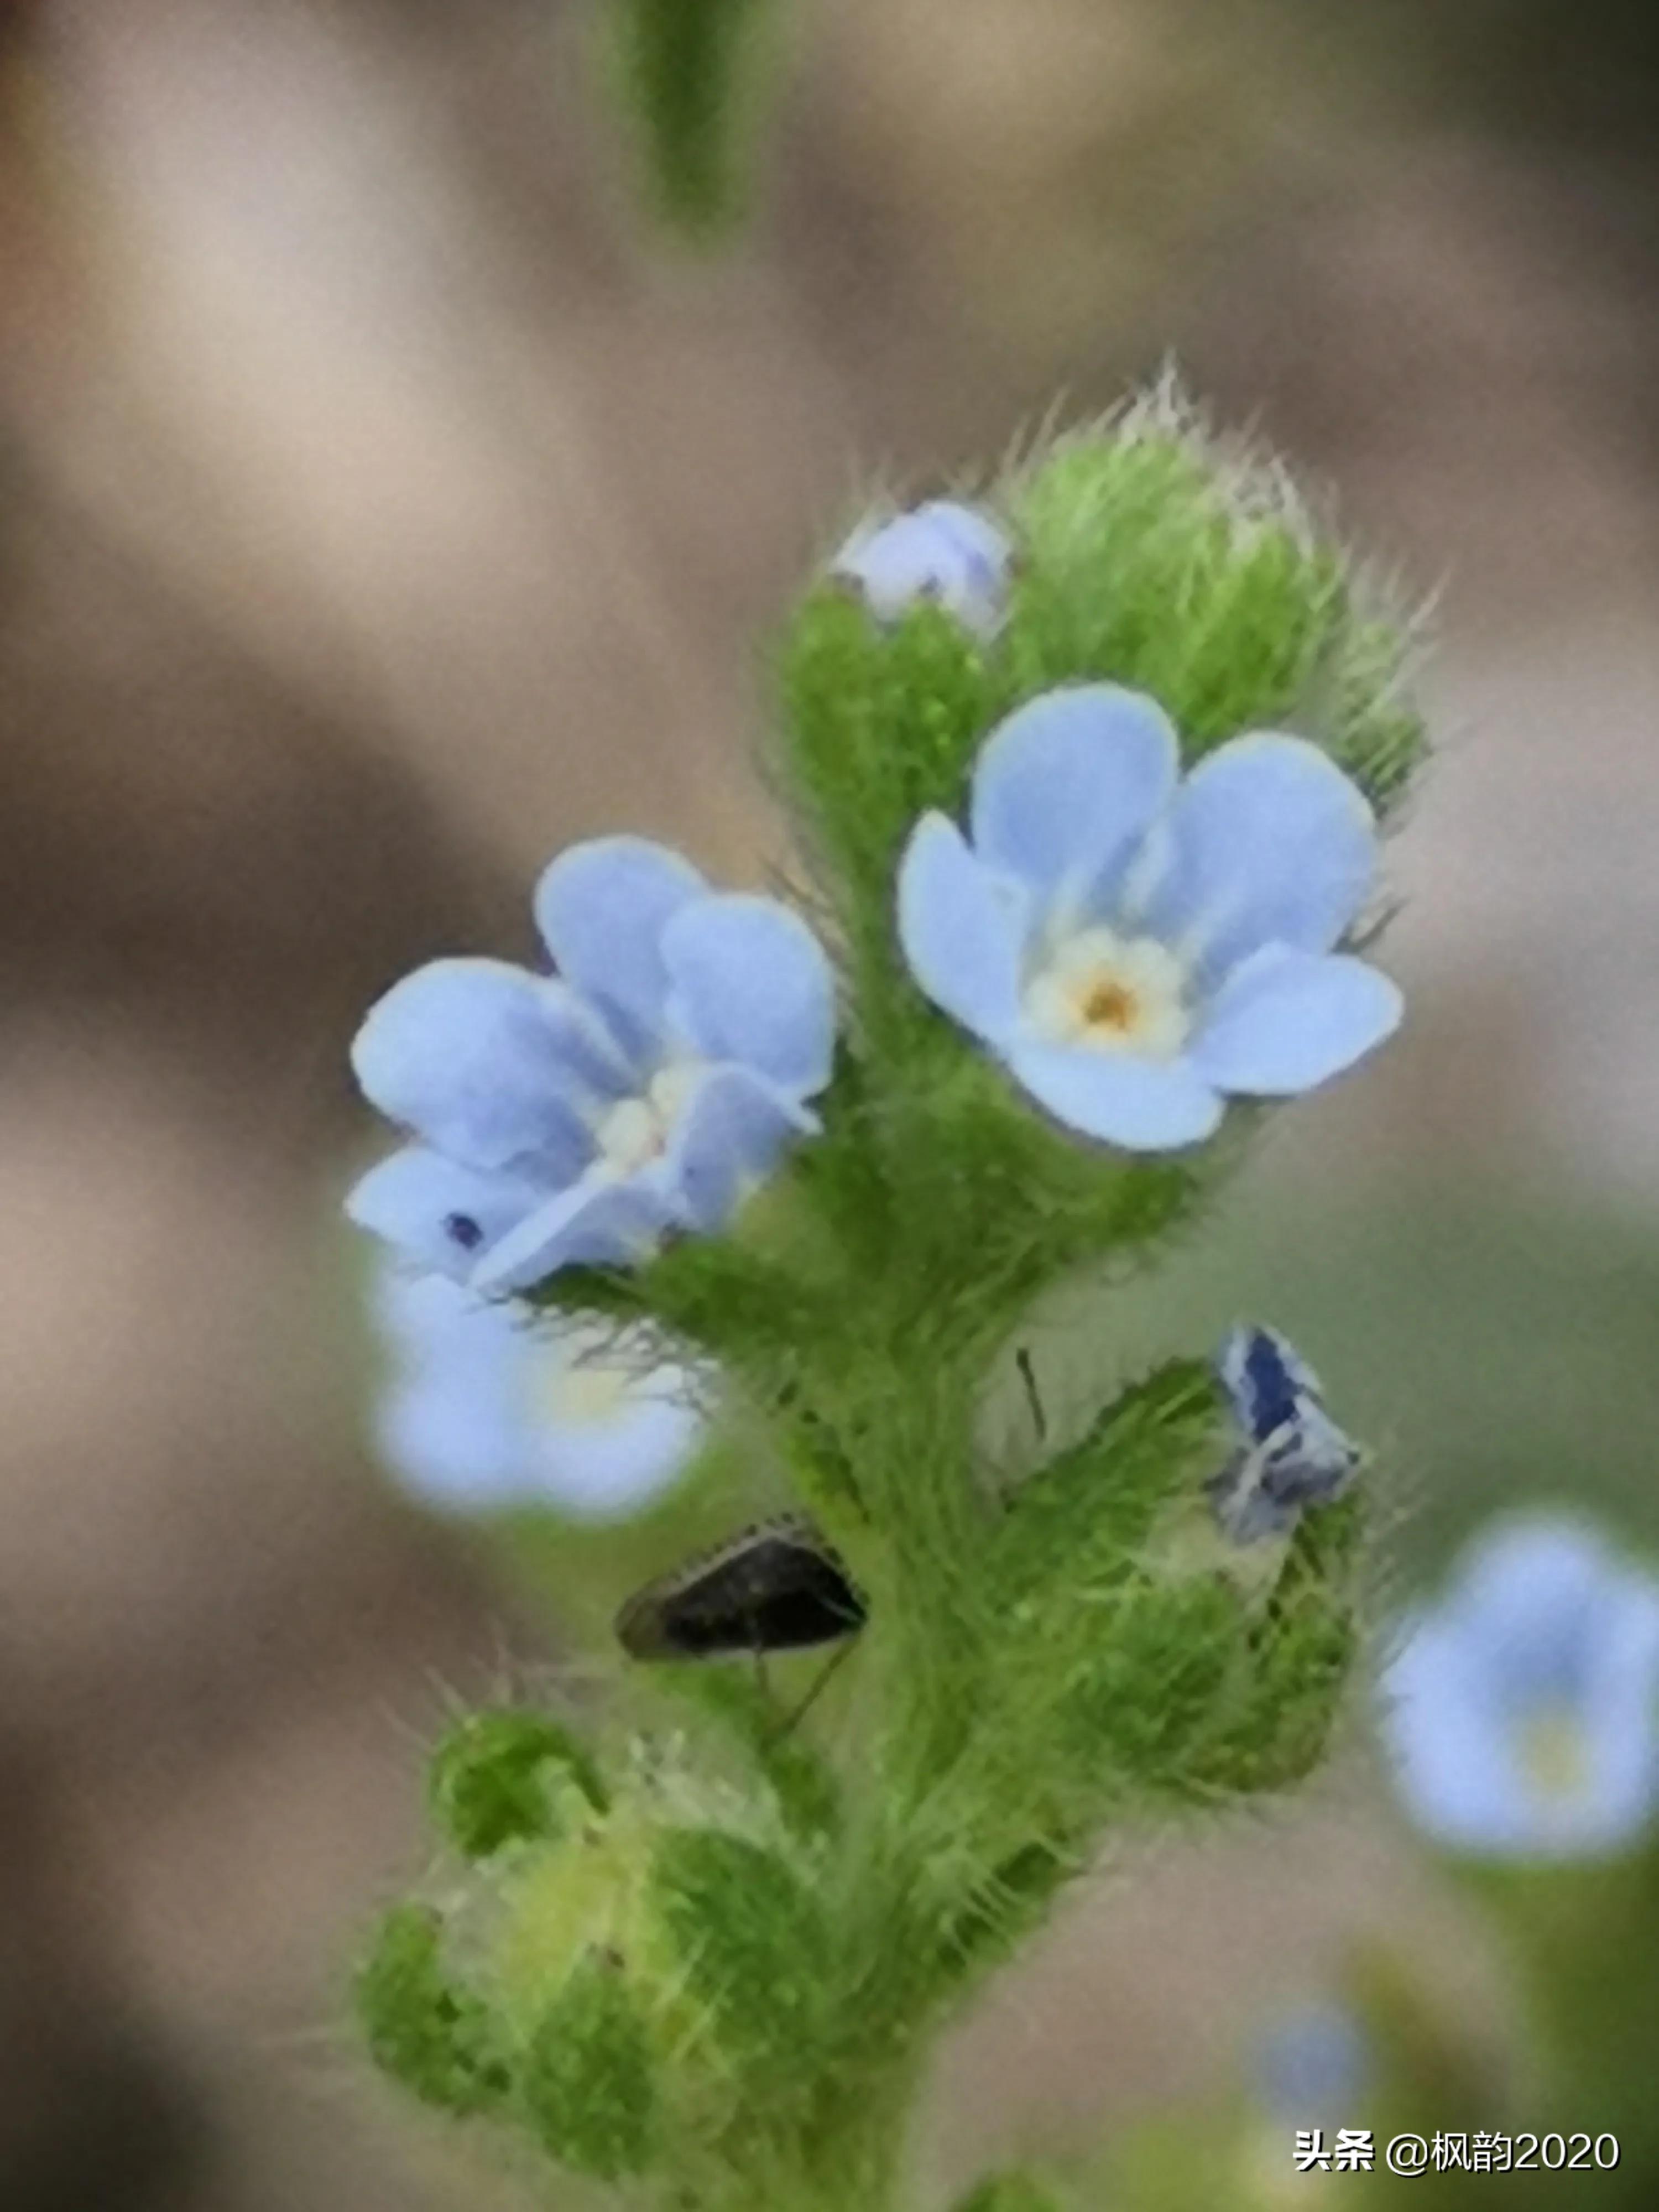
[(384, 504)]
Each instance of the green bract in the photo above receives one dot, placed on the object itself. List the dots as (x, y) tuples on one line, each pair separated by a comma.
[(708, 1942)]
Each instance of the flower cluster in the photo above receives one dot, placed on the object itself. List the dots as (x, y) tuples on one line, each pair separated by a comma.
[(1522, 1709), (484, 1410), (1066, 939), (1134, 946)]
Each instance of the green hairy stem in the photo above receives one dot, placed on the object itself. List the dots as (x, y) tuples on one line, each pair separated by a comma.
[(694, 1946), (690, 76)]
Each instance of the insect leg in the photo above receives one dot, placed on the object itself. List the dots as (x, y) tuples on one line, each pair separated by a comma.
[(1023, 1361), (806, 1703)]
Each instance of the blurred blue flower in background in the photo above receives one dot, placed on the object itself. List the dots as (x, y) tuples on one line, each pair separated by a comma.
[(1520, 1708), (486, 1408), (1135, 947), (1311, 2062), (567, 1120), (941, 551)]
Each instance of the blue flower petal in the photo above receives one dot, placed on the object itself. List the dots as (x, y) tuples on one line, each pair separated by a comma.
[(1268, 842), (1144, 1105), (752, 984), (1067, 788), (473, 1419), (1547, 1568), (453, 1456), (730, 1136), (1284, 1021), (1619, 1694), (962, 927), (448, 1425), (597, 1222), (602, 907), (1451, 1754), (942, 551), (606, 1469), (489, 1064), (977, 542), (439, 1214)]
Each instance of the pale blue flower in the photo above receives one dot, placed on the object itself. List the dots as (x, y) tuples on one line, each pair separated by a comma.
[(1136, 947), (1520, 1708), (486, 1408), (942, 551), (1311, 2062), (649, 1085)]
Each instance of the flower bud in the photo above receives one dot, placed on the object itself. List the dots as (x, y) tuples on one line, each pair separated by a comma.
[(497, 1778)]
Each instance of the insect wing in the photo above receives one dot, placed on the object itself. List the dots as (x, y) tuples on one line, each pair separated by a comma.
[(776, 1588)]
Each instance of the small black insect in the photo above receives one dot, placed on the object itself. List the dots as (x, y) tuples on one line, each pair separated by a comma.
[(777, 1587)]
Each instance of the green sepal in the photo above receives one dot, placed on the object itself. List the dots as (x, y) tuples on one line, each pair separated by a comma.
[(1173, 1680), (730, 1298), (1290, 1687), (585, 2078), (878, 723), (808, 1794), (1045, 1201), (591, 1294), (1078, 1521), (493, 1779), (423, 2028), (1160, 556), (752, 1939)]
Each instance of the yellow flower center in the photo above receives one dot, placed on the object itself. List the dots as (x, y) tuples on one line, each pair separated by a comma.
[(584, 1393), (576, 1378), (1553, 1757), (1111, 993), (1111, 1005)]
